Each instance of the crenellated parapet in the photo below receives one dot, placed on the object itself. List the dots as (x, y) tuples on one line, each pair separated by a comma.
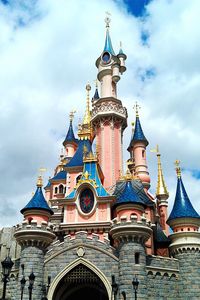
[(38, 234), (80, 239), (184, 241), (131, 229)]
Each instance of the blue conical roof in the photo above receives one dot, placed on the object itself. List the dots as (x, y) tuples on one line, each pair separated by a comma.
[(38, 202), (129, 195), (70, 137), (108, 44), (138, 134), (96, 95), (182, 206)]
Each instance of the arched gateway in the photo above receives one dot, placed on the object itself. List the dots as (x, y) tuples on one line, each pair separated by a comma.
[(80, 283)]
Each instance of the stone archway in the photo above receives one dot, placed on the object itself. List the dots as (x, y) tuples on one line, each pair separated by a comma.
[(80, 283), (81, 279)]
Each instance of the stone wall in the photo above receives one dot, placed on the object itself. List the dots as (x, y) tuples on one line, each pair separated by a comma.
[(98, 253)]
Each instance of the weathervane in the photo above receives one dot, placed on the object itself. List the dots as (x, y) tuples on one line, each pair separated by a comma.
[(136, 107), (107, 19), (178, 169)]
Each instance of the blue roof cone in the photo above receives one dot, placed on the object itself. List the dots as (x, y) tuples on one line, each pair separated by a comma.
[(38, 202), (70, 137), (108, 44), (129, 195), (182, 206), (138, 135)]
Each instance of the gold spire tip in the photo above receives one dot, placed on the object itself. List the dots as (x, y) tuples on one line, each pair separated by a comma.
[(178, 169), (39, 181), (120, 44), (136, 107)]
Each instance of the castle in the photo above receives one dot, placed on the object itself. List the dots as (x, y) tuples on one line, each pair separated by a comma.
[(96, 232)]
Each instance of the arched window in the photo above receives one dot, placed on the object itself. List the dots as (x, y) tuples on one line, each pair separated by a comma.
[(61, 189), (137, 258), (29, 220), (56, 190)]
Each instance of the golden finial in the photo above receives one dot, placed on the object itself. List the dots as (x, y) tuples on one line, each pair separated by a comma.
[(39, 180), (136, 107), (120, 44), (71, 115), (107, 19), (133, 126), (128, 175), (161, 190), (178, 169)]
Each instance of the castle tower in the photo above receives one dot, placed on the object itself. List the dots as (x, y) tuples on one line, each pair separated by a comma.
[(162, 195), (34, 235), (130, 231), (185, 240), (109, 117), (137, 149)]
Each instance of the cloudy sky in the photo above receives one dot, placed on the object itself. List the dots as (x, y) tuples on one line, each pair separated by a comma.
[(48, 50)]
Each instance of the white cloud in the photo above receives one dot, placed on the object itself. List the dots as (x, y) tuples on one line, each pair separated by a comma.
[(46, 63)]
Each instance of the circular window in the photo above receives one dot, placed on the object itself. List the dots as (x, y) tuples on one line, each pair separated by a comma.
[(86, 201), (106, 57)]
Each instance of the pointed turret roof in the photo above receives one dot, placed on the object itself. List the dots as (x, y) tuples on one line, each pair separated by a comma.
[(70, 137), (138, 135), (108, 44), (38, 201), (121, 52), (131, 195), (182, 206), (96, 94)]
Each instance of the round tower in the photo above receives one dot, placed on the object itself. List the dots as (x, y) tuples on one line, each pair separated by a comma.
[(130, 231), (109, 117), (34, 236), (185, 240), (137, 149)]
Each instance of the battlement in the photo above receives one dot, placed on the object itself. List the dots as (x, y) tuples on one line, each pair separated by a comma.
[(34, 233), (80, 239), (126, 229)]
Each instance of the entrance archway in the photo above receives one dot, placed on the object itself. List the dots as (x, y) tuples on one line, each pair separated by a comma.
[(80, 283)]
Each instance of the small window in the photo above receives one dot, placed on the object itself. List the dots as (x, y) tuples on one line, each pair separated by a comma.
[(61, 189), (137, 258), (29, 220), (143, 153), (188, 229), (56, 190)]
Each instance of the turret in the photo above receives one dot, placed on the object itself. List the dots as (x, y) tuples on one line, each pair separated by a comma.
[(185, 240), (70, 142), (109, 117), (130, 231), (162, 195), (137, 149), (34, 235)]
